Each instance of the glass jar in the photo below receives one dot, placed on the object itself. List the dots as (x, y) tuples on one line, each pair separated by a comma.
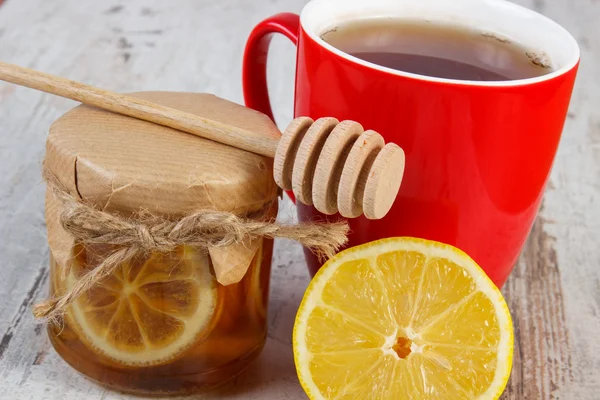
[(162, 323)]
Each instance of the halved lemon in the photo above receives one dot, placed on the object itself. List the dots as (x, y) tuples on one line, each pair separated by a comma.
[(403, 318), (149, 311)]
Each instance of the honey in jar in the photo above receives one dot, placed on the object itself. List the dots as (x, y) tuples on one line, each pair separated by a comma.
[(160, 323)]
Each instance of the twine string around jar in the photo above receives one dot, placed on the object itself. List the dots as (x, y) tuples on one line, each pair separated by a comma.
[(146, 232)]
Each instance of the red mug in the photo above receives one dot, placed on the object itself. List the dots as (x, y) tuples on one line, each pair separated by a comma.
[(478, 154)]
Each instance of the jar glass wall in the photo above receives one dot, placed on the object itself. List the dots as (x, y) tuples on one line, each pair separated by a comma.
[(162, 323)]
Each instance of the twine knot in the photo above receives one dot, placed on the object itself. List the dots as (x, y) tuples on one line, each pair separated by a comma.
[(145, 238)]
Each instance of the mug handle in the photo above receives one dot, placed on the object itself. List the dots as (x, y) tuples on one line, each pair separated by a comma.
[(254, 69)]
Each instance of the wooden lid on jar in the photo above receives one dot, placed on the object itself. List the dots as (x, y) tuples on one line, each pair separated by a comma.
[(121, 164)]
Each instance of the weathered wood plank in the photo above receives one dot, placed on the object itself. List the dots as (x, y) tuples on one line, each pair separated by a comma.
[(196, 45), (554, 290), (542, 357)]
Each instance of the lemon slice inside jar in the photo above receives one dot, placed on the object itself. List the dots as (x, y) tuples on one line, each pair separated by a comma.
[(149, 311)]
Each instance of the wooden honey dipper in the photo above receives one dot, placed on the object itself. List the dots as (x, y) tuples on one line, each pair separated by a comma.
[(335, 166)]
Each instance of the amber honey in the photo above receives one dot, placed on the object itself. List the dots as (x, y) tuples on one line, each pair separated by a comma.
[(140, 331)]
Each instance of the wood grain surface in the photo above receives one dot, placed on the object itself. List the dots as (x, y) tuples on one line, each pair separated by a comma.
[(197, 45)]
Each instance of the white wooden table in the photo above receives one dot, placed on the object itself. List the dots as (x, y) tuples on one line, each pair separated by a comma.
[(196, 45)]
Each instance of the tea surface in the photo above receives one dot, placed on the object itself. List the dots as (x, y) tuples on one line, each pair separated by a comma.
[(436, 50)]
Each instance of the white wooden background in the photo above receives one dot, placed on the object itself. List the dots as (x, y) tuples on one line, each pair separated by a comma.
[(196, 45)]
